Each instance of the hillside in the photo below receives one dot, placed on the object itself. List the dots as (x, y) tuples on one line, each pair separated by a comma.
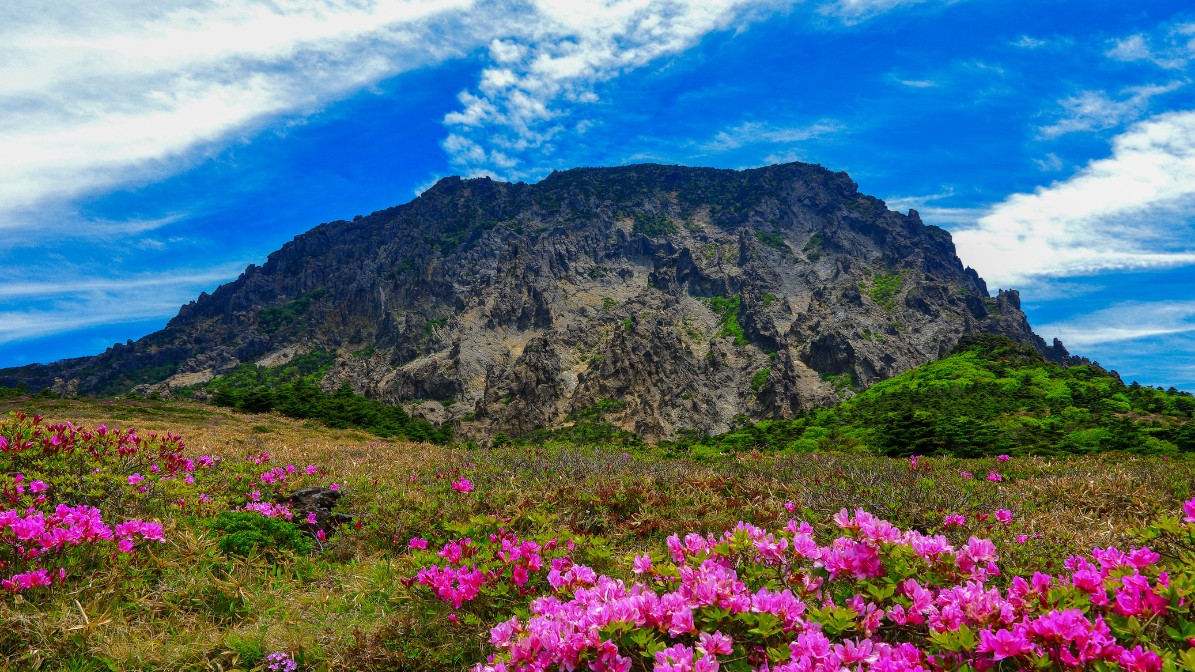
[(691, 296), (990, 396)]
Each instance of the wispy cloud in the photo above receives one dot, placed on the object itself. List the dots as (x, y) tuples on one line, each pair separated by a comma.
[(762, 133), (1126, 321), (857, 11), (918, 83), (67, 304), (83, 286), (1172, 47), (930, 210), (1133, 209), (1097, 111), (1027, 42), (538, 77), (101, 94), (1049, 163)]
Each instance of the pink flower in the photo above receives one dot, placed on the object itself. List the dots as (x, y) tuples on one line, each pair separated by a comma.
[(335, 487), (311, 518), (965, 474), (790, 507), (642, 564), (311, 470), (1004, 516), (716, 644), (463, 485), (417, 542), (38, 486), (1003, 644), (1138, 660), (994, 477), (954, 520), (319, 534), (1003, 458), (135, 479), (1189, 509)]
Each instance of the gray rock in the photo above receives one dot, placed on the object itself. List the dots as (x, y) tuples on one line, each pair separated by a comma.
[(516, 306)]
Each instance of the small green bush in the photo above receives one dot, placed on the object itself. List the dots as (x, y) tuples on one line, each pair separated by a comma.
[(244, 532)]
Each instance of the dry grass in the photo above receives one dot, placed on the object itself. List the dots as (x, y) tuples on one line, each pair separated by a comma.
[(186, 606)]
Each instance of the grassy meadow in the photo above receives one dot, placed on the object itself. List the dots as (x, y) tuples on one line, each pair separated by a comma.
[(348, 601)]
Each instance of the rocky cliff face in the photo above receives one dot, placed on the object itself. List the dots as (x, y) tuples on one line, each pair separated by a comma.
[(691, 296)]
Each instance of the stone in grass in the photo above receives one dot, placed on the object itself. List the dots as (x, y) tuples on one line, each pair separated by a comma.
[(320, 501)]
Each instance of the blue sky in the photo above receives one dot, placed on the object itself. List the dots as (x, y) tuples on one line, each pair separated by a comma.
[(149, 154)]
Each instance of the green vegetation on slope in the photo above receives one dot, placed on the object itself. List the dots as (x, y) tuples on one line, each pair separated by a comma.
[(728, 318), (990, 396), (293, 390), (271, 319)]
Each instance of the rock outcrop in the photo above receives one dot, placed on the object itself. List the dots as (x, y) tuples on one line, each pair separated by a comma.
[(691, 296)]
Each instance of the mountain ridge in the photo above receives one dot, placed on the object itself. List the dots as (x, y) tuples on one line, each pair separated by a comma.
[(695, 295)]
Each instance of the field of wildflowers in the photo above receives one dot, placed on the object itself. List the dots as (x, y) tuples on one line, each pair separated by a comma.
[(116, 521)]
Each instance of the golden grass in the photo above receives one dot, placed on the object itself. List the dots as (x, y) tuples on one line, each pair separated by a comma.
[(188, 607)]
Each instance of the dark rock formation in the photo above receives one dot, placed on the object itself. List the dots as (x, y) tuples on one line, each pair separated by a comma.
[(508, 307), (320, 501)]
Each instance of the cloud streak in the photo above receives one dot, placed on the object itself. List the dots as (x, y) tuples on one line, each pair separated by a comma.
[(1096, 111), (1126, 321), (1131, 210), (102, 94), (80, 302)]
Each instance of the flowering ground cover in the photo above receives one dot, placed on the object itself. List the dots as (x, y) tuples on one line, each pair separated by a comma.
[(117, 551)]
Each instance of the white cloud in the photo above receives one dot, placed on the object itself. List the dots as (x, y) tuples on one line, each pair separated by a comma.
[(1026, 42), (1126, 321), (543, 72), (1171, 48), (1096, 111), (95, 286), (1050, 163), (101, 94), (72, 303), (1134, 209), (857, 11), (938, 215), (918, 83), (761, 133), (96, 96)]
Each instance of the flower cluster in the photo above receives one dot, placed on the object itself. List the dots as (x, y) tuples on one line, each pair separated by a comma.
[(874, 598), (270, 509), (280, 661), (30, 537), (507, 564)]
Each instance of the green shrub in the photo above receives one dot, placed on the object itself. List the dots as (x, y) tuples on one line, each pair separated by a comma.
[(246, 532), (653, 224)]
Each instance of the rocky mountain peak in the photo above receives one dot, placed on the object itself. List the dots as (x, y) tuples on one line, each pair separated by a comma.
[(674, 298)]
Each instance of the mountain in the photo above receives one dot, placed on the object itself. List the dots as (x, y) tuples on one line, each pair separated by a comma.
[(678, 298)]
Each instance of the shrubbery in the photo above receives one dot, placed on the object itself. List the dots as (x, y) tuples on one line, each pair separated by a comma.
[(247, 532), (991, 396), (873, 598)]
